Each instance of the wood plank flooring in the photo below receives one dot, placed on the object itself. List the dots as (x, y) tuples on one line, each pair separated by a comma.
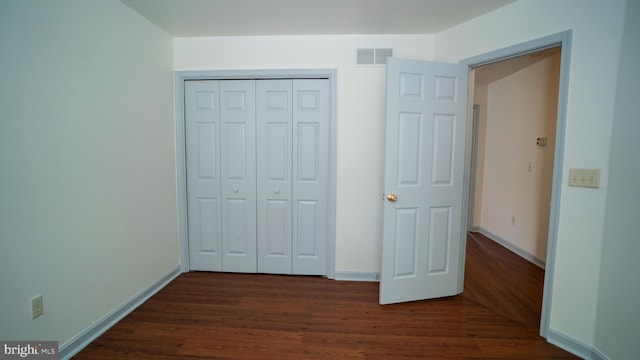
[(497, 278), (253, 316)]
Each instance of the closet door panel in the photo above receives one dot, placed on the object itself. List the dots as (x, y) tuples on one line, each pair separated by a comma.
[(311, 114), (257, 175), (238, 175), (274, 167), (202, 127)]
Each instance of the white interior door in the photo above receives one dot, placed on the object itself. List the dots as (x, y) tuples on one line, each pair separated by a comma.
[(274, 120), (238, 173), (424, 164), (311, 117), (258, 175), (293, 166), (202, 130)]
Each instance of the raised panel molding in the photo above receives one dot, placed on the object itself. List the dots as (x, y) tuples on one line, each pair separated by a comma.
[(307, 228), (308, 101), (405, 247), (308, 148), (235, 100), (278, 153), (439, 239), (410, 138), (205, 100), (209, 226), (278, 100), (278, 228), (206, 151), (236, 151), (411, 85), (446, 88), (236, 236), (443, 148)]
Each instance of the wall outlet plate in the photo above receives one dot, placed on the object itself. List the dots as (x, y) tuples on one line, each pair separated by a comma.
[(541, 141)]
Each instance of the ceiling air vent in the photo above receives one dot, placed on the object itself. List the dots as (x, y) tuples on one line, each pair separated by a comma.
[(373, 56)]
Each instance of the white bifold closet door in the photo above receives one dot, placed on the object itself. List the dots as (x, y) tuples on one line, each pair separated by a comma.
[(257, 175), (221, 175)]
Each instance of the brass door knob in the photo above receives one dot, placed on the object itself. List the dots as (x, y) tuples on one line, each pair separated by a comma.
[(392, 197)]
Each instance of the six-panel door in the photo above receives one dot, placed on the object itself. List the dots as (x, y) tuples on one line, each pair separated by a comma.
[(424, 163)]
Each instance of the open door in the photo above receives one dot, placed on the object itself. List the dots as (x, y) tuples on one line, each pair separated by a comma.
[(424, 165)]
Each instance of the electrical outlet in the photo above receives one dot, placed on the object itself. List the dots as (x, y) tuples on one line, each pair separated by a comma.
[(37, 307), (541, 141), (589, 178)]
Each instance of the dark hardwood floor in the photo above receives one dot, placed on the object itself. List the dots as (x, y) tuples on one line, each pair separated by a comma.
[(497, 278), (253, 316)]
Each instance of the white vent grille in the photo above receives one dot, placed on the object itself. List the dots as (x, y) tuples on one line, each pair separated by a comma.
[(371, 56), (366, 56), (382, 55)]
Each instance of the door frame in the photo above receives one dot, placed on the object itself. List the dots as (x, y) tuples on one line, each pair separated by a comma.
[(562, 39), (181, 164), (473, 160)]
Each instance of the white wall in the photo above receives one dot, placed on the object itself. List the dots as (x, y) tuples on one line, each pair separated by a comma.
[(87, 163), (597, 32), (617, 330), (360, 116), (520, 106)]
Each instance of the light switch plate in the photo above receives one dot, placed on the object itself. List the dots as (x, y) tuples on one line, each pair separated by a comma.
[(37, 308), (589, 178)]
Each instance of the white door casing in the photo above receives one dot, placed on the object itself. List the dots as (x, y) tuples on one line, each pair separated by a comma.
[(424, 174)]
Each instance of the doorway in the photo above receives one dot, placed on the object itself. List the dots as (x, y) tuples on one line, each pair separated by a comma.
[(515, 108), (514, 123), (562, 41)]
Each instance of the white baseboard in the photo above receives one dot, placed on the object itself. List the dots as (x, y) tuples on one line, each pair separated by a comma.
[(597, 355), (574, 346), (78, 342), (357, 276), (513, 248)]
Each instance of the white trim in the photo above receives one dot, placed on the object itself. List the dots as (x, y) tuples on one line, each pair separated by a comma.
[(574, 346), (181, 76), (511, 247), (473, 160), (562, 39), (597, 355), (78, 342), (181, 175), (357, 276)]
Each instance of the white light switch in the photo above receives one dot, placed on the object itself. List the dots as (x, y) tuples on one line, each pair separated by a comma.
[(589, 178)]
